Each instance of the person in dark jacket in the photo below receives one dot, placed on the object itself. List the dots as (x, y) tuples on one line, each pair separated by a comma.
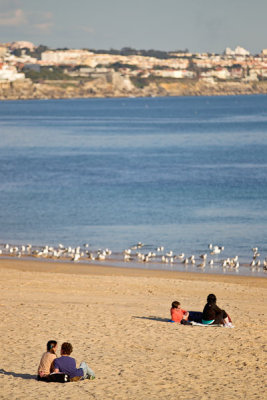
[(212, 314), (67, 365)]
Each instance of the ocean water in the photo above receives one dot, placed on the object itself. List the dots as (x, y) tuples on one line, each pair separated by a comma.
[(178, 172)]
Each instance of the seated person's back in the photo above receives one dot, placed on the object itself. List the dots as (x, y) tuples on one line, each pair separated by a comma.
[(46, 364), (212, 314), (67, 364)]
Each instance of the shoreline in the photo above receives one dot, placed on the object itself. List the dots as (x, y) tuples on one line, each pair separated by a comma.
[(137, 259), (139, 96), (46, 266)]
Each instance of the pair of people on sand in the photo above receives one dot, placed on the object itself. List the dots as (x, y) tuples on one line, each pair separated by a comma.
[(212, 314), (50, 364)]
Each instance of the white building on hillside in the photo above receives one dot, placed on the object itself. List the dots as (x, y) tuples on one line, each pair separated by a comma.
[(75, 57), (10, 73), (239, 51)]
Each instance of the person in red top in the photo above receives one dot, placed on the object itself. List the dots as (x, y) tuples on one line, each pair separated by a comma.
[(178, 314)]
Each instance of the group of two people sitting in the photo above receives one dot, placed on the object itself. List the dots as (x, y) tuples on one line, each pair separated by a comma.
[(211, 315), (50, 365)]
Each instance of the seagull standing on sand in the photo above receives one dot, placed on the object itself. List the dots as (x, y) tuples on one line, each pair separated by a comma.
[(236, 266), (256, 255), (76, 257), (91, 256)]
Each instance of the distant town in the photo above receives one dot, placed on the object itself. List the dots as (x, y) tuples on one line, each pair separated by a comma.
[(28, 71)]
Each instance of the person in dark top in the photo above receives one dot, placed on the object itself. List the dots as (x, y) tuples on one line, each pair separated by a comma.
[(67, 365), (212, 314)]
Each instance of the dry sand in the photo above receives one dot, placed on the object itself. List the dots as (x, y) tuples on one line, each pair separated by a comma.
[(115, 319)]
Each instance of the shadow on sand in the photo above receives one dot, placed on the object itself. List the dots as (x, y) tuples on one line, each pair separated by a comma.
[(153, 318), (16, 375)]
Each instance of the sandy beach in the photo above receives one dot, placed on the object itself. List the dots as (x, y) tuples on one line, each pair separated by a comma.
[(116, 320)]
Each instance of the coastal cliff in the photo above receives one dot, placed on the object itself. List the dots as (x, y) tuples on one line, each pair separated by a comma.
[(115, 85)]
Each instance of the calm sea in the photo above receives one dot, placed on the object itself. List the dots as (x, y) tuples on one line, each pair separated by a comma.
[(178, 172)]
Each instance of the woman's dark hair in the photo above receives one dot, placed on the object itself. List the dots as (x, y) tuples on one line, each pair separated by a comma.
[(175, 304), (211, 299), (51, 345), (66, 348)]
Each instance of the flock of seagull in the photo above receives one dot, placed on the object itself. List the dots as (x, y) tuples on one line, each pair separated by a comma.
[(135, 253), (170, 257)]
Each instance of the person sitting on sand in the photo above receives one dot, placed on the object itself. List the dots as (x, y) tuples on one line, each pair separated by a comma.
[(178, 314), (67, 365), (46, 364), (212, 314)]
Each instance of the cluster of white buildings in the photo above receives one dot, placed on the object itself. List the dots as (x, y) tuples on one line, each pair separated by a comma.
[(235, 64)]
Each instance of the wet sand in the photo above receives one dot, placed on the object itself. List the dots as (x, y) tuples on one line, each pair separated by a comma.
[(115, 319)]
